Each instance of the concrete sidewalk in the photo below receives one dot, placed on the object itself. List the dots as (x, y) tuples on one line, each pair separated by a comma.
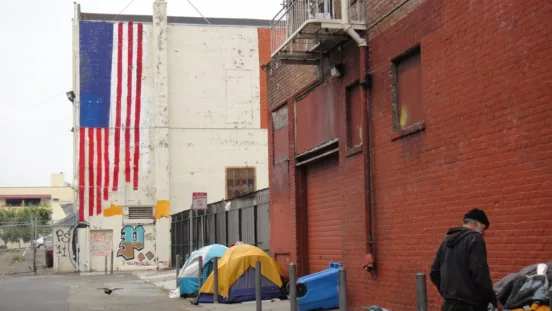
[(165, 279), (281, 305)]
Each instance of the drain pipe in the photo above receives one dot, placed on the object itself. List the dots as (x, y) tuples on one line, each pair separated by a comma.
[(347, 27), (369, 260)]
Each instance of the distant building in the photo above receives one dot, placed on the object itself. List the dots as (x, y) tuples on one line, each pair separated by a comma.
[(56, 196), (164, 107)]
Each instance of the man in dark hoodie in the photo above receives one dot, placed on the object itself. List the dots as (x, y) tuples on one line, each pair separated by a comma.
[(460, 271)]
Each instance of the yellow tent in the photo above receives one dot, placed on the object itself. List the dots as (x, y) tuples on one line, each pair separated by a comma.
[(237, 276)]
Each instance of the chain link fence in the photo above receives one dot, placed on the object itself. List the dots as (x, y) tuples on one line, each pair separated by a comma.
[(25, 247)]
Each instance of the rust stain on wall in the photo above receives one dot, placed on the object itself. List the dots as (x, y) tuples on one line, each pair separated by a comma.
[(315, 118)]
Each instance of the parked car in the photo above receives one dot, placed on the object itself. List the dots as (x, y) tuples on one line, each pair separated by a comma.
[(43, 242)]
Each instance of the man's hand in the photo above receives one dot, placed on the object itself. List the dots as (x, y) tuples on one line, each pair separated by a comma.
[(499, 306)]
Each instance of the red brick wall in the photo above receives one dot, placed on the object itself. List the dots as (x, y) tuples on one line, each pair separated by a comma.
[(286, 80), (487, 87)]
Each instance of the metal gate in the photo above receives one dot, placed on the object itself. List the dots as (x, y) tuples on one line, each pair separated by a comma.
[(25, 247), (246, 220)]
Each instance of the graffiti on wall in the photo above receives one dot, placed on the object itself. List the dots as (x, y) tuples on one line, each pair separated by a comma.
[(101, 243), (150, 236), (65, 244), (63, 237), (133, 239)]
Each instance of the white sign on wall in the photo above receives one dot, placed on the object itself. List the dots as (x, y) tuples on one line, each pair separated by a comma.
[(199, 200)]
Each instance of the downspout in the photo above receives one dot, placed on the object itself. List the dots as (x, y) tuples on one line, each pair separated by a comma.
[(348, 28), (369, 258)]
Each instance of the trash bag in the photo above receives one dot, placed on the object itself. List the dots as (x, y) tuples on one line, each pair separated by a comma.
[(377, 308)]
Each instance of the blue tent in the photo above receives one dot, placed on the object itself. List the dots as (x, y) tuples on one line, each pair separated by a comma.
[(188, 278)]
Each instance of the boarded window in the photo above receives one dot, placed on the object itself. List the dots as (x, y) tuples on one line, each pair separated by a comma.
[(140, 212), (354, 116), (240, 181), (280, 135), (407, 93)]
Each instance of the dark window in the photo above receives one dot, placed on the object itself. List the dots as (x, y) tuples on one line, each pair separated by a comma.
[(14, 202), (240, 181), (407, 89), (22, 202)]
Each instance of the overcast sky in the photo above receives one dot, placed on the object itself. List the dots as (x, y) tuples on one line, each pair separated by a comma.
[(35, 67)]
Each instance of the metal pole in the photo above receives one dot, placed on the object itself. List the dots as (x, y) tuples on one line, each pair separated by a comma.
[(292, 287), (177, 269), (200, 266), (216, 280), (105, 264), (258, 293), (111, 270), (78, 259), (58, 264), (33, 237), (342, 289), (191, 233), (421, 292)]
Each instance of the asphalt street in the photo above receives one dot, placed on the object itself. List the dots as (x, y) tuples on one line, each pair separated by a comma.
[(80, 292)]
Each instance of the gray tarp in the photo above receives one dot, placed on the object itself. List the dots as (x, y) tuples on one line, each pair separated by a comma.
[(524, 288)]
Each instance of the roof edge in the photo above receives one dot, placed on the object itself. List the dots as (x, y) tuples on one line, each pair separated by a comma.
[(190, 20)]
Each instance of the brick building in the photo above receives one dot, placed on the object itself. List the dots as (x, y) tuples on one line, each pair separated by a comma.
[(378, 149)]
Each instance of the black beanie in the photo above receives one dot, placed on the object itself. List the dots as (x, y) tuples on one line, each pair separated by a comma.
[(479, 215)]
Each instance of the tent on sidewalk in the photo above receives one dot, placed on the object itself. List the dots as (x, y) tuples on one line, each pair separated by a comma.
[(188, 278), (237, 277)]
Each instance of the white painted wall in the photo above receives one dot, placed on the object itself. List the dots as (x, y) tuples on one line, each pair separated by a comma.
[(200, 114), (214, 98)]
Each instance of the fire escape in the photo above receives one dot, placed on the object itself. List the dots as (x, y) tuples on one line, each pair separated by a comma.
[(304, 30)]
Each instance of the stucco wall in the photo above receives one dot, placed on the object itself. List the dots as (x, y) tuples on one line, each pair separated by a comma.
[(200, 111), (122, 144), (215, 109)]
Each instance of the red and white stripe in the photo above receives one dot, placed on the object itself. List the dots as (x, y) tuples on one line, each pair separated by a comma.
[(109, 157)]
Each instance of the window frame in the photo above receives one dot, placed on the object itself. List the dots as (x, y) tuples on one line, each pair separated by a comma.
[(234, 168), (418, 126)]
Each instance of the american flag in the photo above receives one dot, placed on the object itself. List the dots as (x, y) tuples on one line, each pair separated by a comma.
[(110, 72)]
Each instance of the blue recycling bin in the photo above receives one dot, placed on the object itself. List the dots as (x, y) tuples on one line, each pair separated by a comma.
[(319, 291)]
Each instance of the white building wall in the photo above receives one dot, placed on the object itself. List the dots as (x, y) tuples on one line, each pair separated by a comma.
[(214, 97), (200, 114)]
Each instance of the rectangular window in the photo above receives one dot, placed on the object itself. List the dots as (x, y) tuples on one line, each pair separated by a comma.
[(407, 89), (23, 202), (280, 135), (240, 181), (354, 112)]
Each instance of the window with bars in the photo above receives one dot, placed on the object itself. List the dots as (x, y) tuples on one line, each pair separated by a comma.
[(240, 181)]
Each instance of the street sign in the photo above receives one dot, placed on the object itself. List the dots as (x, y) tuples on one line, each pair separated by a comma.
[(199, 200)]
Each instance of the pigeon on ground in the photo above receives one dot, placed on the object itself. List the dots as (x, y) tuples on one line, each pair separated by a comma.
[(109, 290)]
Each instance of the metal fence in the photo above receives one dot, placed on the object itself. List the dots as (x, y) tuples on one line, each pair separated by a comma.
[(24, 247), (242, 219)]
